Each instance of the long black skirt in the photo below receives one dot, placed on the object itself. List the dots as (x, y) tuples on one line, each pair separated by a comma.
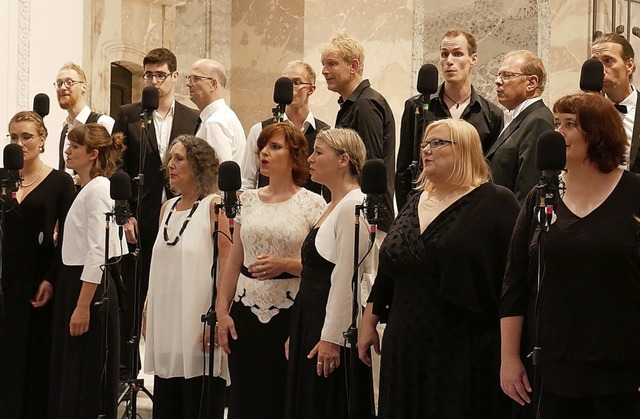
[(257, 365), (80, 363)]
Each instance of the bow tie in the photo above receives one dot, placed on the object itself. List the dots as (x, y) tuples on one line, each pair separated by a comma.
[(620, 108)]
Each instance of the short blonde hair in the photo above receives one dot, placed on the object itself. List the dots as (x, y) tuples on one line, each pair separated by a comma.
[(346, 141), (75, 67), (347, 48), (311, 74), (470, 167)]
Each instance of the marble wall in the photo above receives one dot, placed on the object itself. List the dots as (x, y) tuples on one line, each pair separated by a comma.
[(254, 39)]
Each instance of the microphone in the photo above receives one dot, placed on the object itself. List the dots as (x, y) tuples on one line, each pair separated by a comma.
[(635, 31), (150, 102), (374, 185), (551, 159), (41, 104), (592, 76), (229, 182), (597, 34), (13, 162), (283, 96), (120, 191), (427, 83)]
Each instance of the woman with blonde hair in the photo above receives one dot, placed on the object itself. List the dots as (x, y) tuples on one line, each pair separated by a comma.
[(29, 268), (318, 355), (438, 286), (84, 372)]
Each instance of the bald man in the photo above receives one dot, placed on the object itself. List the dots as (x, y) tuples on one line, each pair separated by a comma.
[(218, 124)]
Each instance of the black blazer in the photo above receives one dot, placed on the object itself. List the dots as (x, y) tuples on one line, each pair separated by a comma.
[(512, 157), (128, 122)]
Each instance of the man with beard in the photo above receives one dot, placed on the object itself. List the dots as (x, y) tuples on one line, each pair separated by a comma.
[(71, 88)]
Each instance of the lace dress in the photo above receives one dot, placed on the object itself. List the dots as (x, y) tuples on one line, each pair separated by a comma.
[(261, 309)]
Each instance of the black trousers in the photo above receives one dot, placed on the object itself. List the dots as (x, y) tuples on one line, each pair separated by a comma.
[(182, 398), (614, 406)]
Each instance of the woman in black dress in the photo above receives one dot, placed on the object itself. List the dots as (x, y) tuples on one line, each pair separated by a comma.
[(590, 292), (30, 262), (438, 287), (80, 360), (318, 356)]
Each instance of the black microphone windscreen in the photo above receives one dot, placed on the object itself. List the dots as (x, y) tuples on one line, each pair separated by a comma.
[(229, 176), (150, 98), (41, 104), (551, 151), (13, 158), (636, 31), (591, 75), (283, 91), (374, 177), (428, 79), (120, 187)]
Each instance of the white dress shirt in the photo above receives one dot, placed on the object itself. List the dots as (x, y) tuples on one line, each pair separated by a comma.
[(222, 129)]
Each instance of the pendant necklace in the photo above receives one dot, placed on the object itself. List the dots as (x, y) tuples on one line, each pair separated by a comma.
[(454, 102)]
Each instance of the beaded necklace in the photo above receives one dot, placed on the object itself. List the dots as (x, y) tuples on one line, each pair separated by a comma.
[(184, 225)]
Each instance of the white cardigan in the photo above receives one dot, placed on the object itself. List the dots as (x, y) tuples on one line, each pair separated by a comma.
[(335, 242)]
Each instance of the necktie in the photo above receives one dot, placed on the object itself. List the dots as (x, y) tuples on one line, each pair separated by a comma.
[(620, 108), (197, 126)]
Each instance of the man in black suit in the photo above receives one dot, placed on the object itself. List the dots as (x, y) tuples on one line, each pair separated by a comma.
[(618, 58), (170, 120), (519, 83)]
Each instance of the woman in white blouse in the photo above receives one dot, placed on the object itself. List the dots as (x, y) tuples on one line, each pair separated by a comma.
[(263, 274), (318, 355), (81, 311)]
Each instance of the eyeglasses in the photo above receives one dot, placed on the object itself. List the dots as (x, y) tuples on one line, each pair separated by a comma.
[(435, 143), (68, 83), (24, 138), (159, 76), (508, 75), (194, 79), (299, 83)]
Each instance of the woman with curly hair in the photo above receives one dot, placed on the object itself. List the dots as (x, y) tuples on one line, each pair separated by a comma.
[(180, 285)]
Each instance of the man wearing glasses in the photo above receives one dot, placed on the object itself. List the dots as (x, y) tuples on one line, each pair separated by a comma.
[(519, 83), (170, 120), (456, 98), (297, 113), (71, 89), (218, 124)]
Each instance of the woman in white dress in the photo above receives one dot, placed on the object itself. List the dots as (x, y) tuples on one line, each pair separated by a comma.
[(180, 285), (262, 277)]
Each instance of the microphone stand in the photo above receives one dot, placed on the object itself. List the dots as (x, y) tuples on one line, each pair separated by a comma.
[(135, 385), (422, 107), (278, 112), (103, 308), (210, 319), (6, 183), (543, 214)]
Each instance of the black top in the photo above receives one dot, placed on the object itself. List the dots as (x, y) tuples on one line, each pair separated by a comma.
[(441, 348), (484, 115), (591, 285), (368, 113)]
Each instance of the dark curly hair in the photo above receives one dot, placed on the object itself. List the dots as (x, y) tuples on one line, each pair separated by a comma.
[(298, 148), (96, 137), (602, 127), (203, 160)]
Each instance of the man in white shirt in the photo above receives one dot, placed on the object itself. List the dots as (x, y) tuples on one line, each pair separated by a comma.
[(297, 113), (71, 88), (218, 125), (618, 58), (519, 83)]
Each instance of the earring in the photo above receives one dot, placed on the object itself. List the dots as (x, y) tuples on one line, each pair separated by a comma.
[(41, 148)]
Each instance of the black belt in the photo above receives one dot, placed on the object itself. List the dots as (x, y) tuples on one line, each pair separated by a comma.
[(284, 275)]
